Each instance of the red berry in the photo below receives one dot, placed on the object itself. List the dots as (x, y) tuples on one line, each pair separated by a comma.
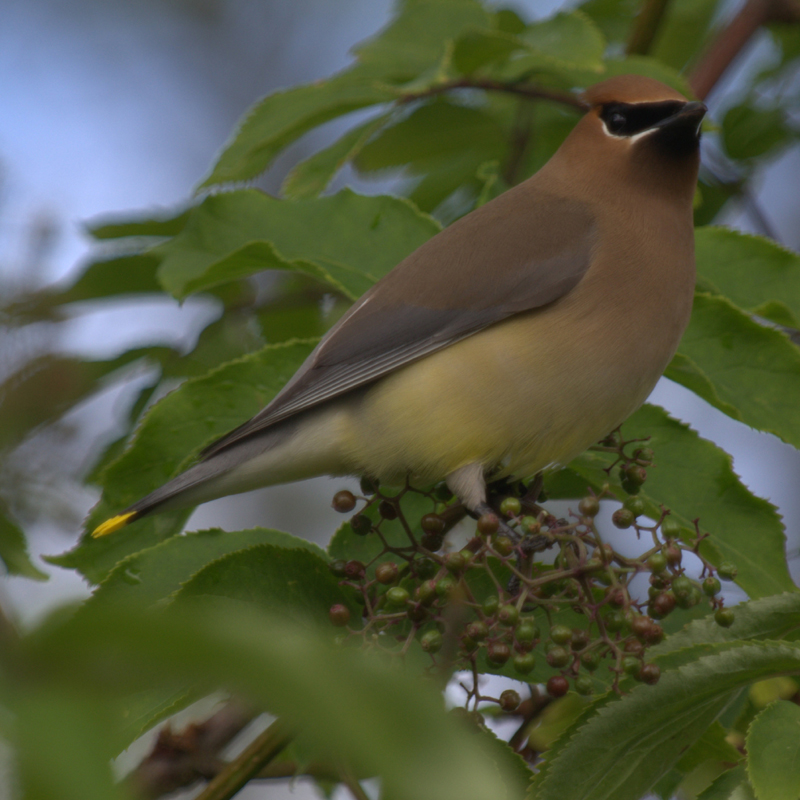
[(354, 570), (386, 573), (387, 509), (557, 686), (361, 524), (344, 501), (488, 524), (510, 700), (498, 653), (650, 674), (339, 615)]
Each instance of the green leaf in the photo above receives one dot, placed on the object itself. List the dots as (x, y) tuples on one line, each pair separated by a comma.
[(753, 368), (569, 38), (621, 747), (393, 719), (356, 240), (14, 550), (416, 40), (477, 48), (695, 480), (773, 752), (711, 746), (749, 132), (683, 31), (173, 430), (294, 582), (155, 573), (310, 177), (753, 272), (613, 17), (282, 117), (731, 785), (684, 371), (168, 224)]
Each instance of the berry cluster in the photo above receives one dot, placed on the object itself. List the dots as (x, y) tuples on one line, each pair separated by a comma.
[(494, 606)]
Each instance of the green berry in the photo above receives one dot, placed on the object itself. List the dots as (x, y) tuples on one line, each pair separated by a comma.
[(369, 485), (432, 523), (431, 641), (527, 632), (632, 666), (727, 571), (635, 505), (337, 568), (425, 568), (416, 612), (455, 562), (559, 657), (724, 617), (560, 634), (524, 663), (615, 621), (477, 631), (386, 573), (344, 501), (589, 506), (339, 615), (629, 487), (432, 541), (397, 596), (530, 526), (510, 507), (508, 615), (503, 545), (445, 586), (643, 454), (670, 528), (623, 518), (426, 592), (584, 685), (591, 660), (635, 474), (579, 639), (657, 562), (490, 605), (681, 587), (510, 700), (711, 586)]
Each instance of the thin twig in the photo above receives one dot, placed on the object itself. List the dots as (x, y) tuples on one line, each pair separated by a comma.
[(249, 763), (645, 27)]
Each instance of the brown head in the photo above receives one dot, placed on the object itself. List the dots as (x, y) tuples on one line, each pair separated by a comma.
[(640, 131)]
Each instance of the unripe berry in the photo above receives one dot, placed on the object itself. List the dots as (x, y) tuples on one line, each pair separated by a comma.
[(635, 505), (369, 485), (431, 641), (387, 509), (615, 621), (530, 526), (354, 570), (579, 639), (524, 663), (623, 518), (425, 568), (503, 545), (445, 586), (559, 657), (560, 634), (584, 685), (510, 700), (488, 524), (557, 686), (490, 605), (681, 587), (510, 507), (635, 474), (508, 615), (432, 523), (650, 674), (727, 571), (344, 501), (632, 666), (724, 617), (498, 653), (426, 592), (397, 596), (643, 454), (527, 632), (630, 487), (477, 631), (589, 506), (711, 586), (386, 573), (455, 562), (416, 612), (337, 567), (657, 562), (591, 660), (432, 541), (339, 615), (361, 524), (670, 528), (673, 554)]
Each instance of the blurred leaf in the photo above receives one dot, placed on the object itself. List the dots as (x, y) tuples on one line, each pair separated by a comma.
[(282, 117), (773, 752), (168, 224), (310, 177), (711, 746), (749, 132), (695, 480), (476, 48), (291, 582), (683, 31), (624, 744), (613, 17), (731, 785), (415, 40), (569, 38), (14, 550), (752, 368), (155, 573), (173, 430), (753, 272), (355, 710), (356, 240)]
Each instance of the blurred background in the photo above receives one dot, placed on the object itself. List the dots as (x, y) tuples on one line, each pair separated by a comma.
[(111, 106)]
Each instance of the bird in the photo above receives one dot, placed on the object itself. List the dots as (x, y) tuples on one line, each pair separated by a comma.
[(510, 341)]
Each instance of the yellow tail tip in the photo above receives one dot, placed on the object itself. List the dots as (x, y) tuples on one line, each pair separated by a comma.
[(113, 524)]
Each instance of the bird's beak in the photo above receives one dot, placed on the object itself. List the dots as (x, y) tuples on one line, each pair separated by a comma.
[(688, 118)]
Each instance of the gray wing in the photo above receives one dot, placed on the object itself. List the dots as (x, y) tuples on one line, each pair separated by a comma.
[(523, 250)]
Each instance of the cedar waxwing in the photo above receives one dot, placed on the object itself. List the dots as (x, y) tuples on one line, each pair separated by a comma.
[(508, 343)]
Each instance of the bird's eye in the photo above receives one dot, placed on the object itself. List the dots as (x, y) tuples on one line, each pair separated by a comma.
[(616, 122)]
